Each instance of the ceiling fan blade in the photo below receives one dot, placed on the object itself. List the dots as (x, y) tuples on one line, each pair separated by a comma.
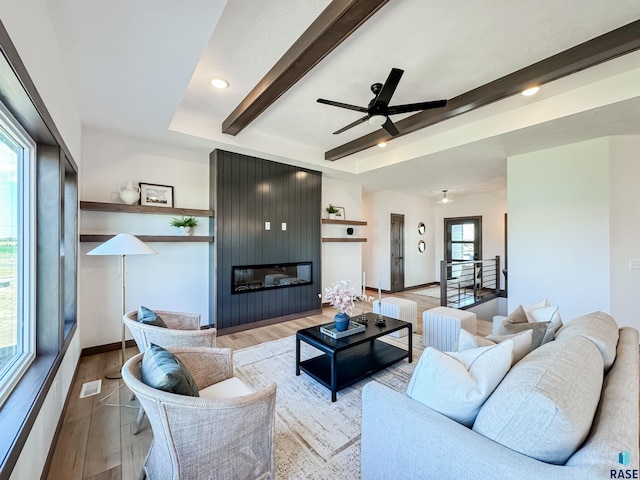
[(390, 127), (389, 86), (351, 125), (414, 107), (342, 105)]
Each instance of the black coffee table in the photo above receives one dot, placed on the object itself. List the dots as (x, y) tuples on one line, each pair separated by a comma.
[(348, 360)]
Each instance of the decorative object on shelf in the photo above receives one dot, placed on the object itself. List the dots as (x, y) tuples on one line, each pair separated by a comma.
[(422, 246), (156, 195), (350, 231), (129, 193), (331, 210), (185, 224), (341, 213), (341, 295), (122, 244), (421, 228)]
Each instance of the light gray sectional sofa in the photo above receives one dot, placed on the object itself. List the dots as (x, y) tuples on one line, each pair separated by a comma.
[(572, 401)]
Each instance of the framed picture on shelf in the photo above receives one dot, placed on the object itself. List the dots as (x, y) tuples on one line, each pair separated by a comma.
[(340, 214), (156, 195)]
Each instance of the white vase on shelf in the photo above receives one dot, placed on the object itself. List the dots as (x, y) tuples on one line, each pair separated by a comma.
[(129, 193)]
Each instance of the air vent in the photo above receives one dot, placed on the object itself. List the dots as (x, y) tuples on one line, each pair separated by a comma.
[(91, 388)]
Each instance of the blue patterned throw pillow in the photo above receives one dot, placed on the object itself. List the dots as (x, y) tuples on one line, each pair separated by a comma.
[(161, 369), (149, 317)]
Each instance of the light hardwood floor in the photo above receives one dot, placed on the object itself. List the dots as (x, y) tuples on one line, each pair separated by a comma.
[(96, 441)]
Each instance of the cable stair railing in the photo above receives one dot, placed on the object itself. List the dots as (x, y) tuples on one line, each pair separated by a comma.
[(466, 283)]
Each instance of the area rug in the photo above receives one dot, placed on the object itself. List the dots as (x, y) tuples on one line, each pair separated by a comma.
[(315, 438)]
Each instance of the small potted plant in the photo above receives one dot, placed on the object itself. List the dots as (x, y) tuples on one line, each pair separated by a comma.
[(331, 210), (185, 224)]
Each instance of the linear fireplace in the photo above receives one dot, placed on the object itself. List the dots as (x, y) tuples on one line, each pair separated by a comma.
[(253, 278)]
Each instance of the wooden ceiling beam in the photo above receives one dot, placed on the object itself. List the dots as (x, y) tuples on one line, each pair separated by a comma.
[(339, 20), (618, 42)]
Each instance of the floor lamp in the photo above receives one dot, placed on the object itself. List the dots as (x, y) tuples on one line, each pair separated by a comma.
[(122, 244)]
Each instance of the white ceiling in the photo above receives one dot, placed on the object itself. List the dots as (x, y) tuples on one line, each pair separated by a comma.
[(140, 67)]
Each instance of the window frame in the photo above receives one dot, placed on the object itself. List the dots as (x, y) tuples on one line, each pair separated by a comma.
[(56, 325), (11, 374)]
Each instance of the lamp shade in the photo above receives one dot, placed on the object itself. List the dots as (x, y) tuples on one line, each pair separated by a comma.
[(122, 244)]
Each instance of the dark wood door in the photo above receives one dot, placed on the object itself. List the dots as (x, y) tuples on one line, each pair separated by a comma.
[(462, 240), (397, 252)]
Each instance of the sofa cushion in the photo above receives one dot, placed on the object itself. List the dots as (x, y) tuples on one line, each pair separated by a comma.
[(598, 327), (521, 342), (518, 322), (161, 369), (456, 384), (545, 405), (149, 317), (467, 341)]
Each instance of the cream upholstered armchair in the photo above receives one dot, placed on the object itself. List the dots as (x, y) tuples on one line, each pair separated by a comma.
[(183, 330), (205, 437)]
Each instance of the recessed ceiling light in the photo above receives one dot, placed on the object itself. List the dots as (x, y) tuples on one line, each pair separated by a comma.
[(219, 82), (382, 144), (530, 91)]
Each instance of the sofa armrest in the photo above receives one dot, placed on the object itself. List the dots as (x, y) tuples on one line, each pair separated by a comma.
[(404, 439)]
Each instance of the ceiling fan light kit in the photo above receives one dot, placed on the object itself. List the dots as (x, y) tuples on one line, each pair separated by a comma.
[(378, 110)]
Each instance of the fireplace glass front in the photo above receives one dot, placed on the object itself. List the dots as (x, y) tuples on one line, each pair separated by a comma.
[(252, 278)]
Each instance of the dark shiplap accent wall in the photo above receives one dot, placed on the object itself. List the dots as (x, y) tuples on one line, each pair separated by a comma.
[(250, 191)]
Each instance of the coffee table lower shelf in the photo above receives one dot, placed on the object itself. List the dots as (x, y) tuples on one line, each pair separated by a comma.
[(353, 364)]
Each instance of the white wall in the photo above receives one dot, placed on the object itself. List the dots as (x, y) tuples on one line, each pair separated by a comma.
[(624, 202), (342, 260), (418, 267), (31, 31), (559, 227), (34, 454), (491, 206), (178, 277)]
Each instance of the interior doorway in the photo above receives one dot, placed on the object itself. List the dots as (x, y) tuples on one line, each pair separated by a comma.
[(462, 240), (397, 252)]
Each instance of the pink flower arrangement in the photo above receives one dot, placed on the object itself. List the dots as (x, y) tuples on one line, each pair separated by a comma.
[(342, 296)]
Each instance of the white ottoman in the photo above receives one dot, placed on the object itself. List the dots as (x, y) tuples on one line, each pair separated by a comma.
[(441, 326), (400, 309)]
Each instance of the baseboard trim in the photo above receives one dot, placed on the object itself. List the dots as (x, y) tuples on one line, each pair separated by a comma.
[(269, 321), (109, 347)]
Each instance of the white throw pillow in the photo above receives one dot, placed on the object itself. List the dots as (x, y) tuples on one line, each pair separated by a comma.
[(521, 343), (545, 314), (468, 341), (456, 384)]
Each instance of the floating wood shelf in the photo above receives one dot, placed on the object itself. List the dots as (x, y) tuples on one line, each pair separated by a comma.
[(343, 222), (150, 238), (343, 239), (123, 208)]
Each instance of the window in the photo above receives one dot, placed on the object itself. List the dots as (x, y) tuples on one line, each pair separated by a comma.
[(17, 319), (463, 241)]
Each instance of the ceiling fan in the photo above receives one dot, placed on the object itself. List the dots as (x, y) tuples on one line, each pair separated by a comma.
[(378, 110)]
